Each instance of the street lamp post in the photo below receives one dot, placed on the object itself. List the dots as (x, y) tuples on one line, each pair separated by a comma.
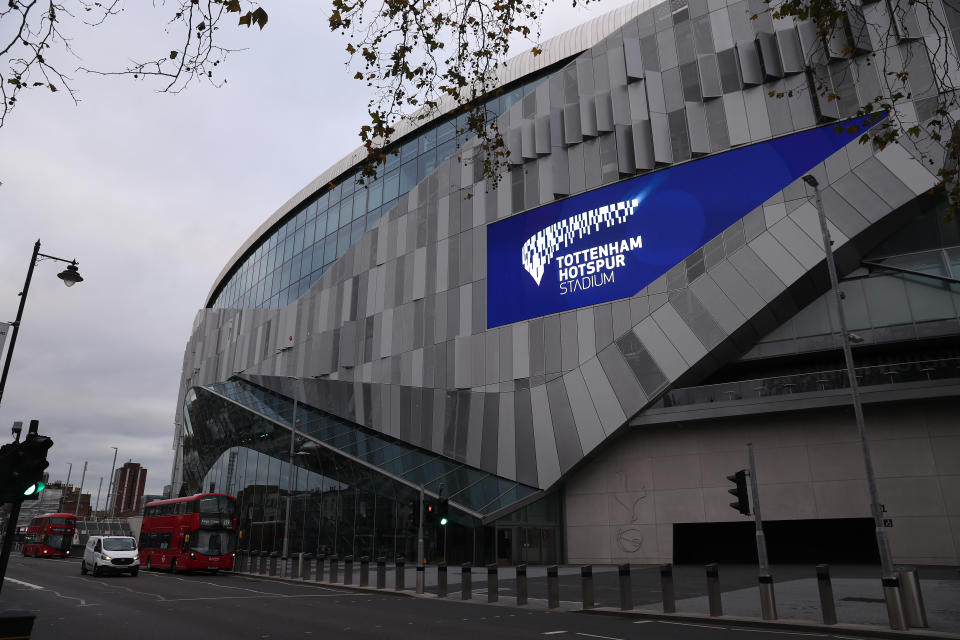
[(110, 489), (70, 277), (890, 581), (286, 522), (83, 478)]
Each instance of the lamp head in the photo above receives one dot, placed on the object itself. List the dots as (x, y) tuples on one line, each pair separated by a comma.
[(70, 275), (810, 180)]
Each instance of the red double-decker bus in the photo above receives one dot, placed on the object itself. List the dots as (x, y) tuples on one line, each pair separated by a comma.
[(50, 535), (187, 534)]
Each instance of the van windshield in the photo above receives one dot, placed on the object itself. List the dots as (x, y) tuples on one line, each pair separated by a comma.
[(119, 544)]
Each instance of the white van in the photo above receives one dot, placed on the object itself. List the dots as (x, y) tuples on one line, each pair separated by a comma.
[(116, 554)]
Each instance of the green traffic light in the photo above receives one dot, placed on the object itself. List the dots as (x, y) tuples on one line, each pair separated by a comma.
[(443, 522), (35, 488)]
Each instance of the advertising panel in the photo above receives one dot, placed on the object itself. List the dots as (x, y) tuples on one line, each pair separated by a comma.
[(613, 241)]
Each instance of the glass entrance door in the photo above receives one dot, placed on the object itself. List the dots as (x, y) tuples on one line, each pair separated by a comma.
[(533, 545)]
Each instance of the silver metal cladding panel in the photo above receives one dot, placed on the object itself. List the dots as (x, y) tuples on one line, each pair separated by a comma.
[(404, 310)]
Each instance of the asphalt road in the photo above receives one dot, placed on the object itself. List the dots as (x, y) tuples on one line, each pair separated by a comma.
[(69, 606)]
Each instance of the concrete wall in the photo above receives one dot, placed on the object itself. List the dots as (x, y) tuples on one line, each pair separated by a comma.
[(621, 506)]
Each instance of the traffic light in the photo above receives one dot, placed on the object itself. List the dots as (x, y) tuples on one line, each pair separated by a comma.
[(9, 457), (33, 461), (22, 465), (412, 515), (740, 492), (442, 511)]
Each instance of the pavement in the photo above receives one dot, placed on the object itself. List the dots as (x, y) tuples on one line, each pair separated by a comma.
[(861, 610)]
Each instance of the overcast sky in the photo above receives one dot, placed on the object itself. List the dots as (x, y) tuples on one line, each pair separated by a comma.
[(152, 194)]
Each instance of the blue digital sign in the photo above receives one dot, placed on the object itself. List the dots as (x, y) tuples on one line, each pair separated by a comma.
[(612, 242)]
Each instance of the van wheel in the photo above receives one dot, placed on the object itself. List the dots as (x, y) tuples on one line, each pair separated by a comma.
[(83, 568), (96, 569), (173, 566), (134, 572)]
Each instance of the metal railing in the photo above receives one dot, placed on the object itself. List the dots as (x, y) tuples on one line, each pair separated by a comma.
[(916, 371)]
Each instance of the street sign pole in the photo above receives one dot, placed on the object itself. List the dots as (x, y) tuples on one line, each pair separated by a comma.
[(768, 603), (8, 539), (420, 534)]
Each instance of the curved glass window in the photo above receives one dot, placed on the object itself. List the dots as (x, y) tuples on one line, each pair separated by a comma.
[(299, 251)]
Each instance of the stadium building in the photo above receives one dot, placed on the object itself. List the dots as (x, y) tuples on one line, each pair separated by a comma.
[(577, 354)]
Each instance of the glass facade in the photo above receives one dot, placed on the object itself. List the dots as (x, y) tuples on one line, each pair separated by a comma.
[(292, 256), (352, 491)]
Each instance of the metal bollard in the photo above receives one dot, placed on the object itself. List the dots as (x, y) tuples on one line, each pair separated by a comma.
[(553, 587), (586, 586), (713, 589), (400, 577), (334, 568), (768, 601), (420, 577), (320, 562), (666, 587), (264, 555), (381, 573), (274, 558), (891, 593), (913, 608), (466, 582), (307, 566), (493, 583), (298, 566), (626, 590), (521, 584), (284, 566), (828, 607), (364, 571), (348, 570), (442, 580)]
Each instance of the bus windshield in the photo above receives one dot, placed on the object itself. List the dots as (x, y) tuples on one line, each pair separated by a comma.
[(59, 542), (217, 504), (212, 542)]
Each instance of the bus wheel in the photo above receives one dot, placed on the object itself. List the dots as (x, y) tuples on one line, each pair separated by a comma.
[(173, 566)]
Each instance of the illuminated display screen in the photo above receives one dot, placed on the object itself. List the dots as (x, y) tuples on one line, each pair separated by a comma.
[(612, 242)]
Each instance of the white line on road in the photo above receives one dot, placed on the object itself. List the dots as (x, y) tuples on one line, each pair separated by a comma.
[(551, 633), (642, 621), (690, 624), (23, 584), (591, 635)]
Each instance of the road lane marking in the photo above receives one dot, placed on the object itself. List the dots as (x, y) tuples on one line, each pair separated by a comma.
[(23, 584), (551, 633), (37, 587), (642, 621), (591, 635), (690, 624)]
